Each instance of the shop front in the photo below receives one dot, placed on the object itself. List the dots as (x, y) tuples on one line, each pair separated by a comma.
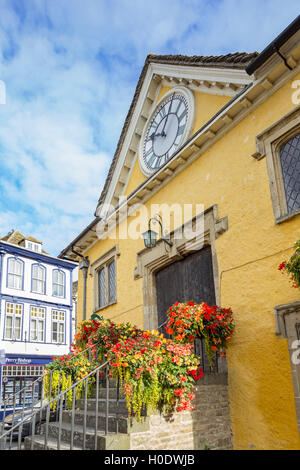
[(21, 381)]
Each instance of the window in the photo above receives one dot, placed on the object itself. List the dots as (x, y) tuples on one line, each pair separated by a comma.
[(15, 273), (38, 279), (33, 246), (105, 285), (290, 166), (37, 324), (22, 371), (58, 326), (112, 282), (280, 144), (13, 321), (102, 287), (287, 320), (58, 283)]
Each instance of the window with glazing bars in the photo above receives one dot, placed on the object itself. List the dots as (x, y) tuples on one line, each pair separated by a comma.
[(107, 284), (37, 324), (38, 279), (14, 273), (58, 326), (290, 166), (13, 321), (58, 287)]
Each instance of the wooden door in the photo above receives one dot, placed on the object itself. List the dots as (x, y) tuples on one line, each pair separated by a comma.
[(189, 279)]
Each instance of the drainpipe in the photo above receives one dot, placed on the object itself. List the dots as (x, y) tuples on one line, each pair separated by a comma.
[(84, 266)]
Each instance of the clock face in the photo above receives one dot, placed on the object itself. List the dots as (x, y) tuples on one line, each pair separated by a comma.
[(165, 132)]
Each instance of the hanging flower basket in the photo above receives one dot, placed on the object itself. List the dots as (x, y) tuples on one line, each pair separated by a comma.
[(188, 320), (292, 266), (155, 373)]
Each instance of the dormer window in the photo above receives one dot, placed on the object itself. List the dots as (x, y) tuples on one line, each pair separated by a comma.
[(37, 247)]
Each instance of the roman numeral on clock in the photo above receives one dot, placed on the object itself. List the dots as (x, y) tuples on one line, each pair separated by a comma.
[(162, 112), (151, 160), (182, 115), (148, 154), (180, 130)]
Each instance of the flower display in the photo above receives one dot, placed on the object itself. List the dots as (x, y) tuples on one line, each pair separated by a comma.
[(66, 370), (292, 266), (188, 320), (154, 372)]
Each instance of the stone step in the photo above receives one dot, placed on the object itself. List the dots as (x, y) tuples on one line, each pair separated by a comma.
[(125, 424), (39, 444), (111, 441), (113, 407), (113, 383), (113, 393)]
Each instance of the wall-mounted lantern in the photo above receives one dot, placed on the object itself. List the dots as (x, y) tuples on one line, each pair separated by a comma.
[(150, 237)]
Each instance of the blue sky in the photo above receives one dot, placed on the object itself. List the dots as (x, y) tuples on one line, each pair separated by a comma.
[(70, 69)]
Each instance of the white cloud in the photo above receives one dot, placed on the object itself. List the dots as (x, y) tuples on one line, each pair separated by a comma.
[(70, 70)]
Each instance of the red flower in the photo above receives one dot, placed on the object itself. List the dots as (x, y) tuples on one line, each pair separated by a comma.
[(281, 266), (199, 375)]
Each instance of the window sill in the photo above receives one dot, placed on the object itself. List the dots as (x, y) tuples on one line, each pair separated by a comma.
[(286, 217), (13, 340), (99, 309)]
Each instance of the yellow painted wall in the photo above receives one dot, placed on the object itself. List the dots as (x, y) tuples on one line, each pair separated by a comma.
[(206, 105), (260, 385)]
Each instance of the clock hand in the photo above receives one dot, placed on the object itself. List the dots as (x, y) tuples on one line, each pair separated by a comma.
[(163, 131), (152, 136)]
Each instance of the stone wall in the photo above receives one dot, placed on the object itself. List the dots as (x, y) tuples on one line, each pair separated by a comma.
[(207, 426)]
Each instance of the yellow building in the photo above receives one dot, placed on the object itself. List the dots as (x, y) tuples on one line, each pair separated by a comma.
[(214, 141)]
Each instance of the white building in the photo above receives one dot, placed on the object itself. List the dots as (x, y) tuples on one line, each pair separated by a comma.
[(36, 306)]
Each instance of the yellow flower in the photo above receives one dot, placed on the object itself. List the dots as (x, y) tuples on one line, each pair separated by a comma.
[(155, 332)]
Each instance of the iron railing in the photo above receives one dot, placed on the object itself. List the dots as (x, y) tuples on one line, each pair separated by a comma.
[(18, 423), (11, 402), (219, 363), (46, 421)]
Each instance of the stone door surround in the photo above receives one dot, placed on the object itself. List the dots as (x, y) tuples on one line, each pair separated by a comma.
[(149, 261)]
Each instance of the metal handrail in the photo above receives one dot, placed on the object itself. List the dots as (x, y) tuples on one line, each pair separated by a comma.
[(59, 398), (32, 387), (60, 395), (39, 378)]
